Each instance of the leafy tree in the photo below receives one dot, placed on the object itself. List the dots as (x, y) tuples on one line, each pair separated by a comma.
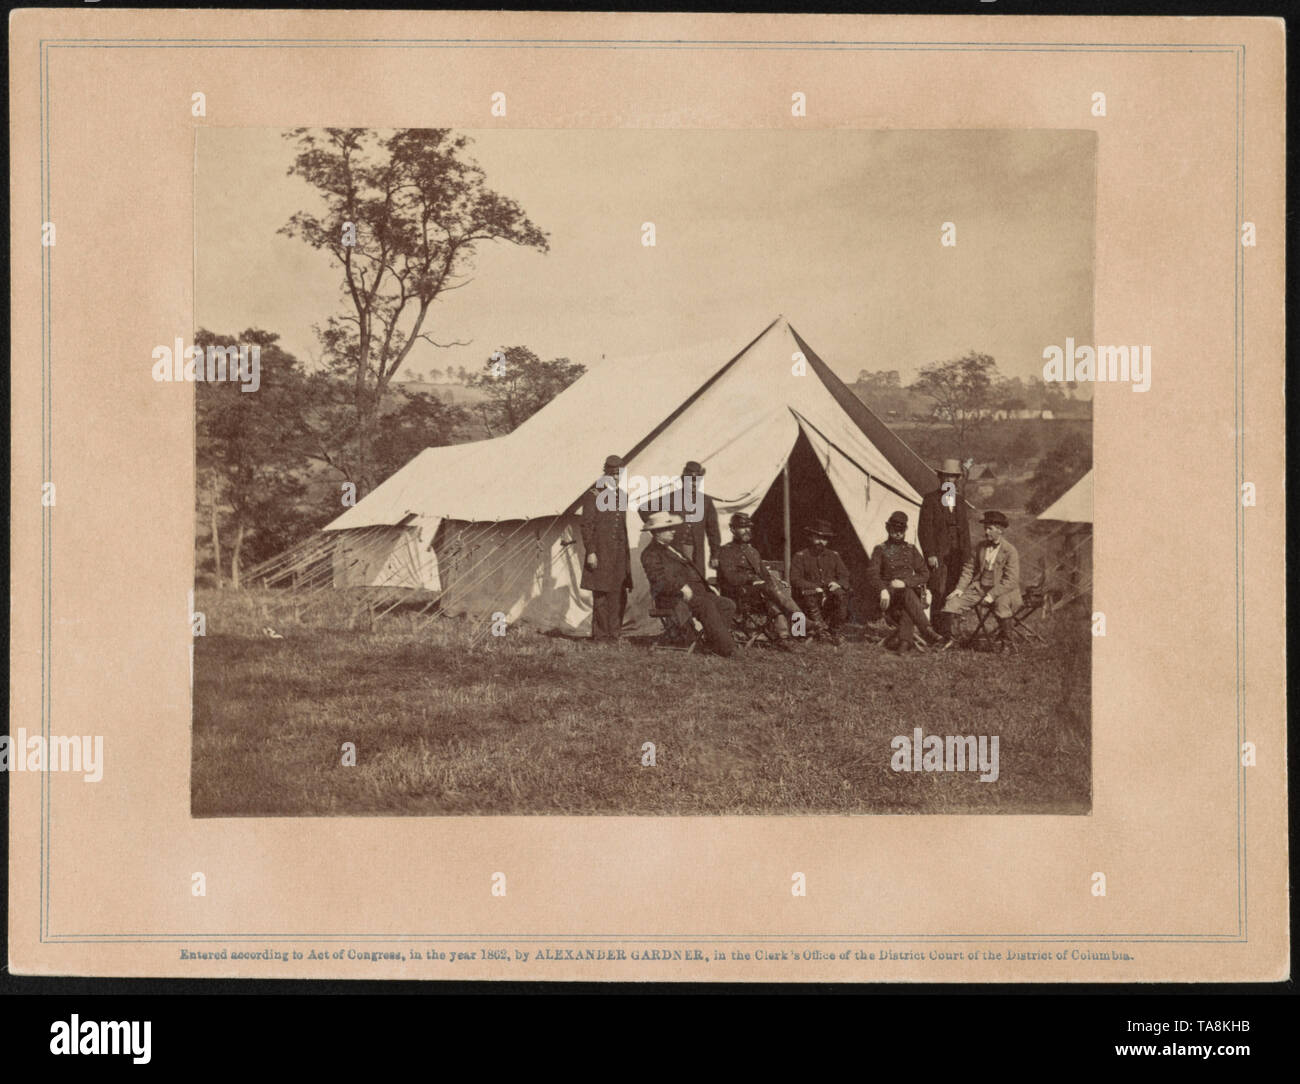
[(518, 384), (417, 421), (247, 454), (962, 392), (1023, 446), (404, 214), (1068, 461)]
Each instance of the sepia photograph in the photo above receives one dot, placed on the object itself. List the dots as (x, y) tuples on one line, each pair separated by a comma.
[(601, 498), (643, 472)]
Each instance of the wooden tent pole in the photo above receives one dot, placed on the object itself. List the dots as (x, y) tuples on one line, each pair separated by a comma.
[(785, 510)]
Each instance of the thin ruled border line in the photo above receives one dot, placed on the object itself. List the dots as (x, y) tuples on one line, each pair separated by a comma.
[(1239, 49)]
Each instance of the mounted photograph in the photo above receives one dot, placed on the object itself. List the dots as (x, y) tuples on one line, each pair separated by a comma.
[(643, 472)]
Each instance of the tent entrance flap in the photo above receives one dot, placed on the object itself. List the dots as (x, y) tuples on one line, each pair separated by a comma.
[(811, 497)]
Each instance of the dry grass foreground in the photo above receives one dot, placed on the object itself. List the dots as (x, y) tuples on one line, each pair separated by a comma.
[(529, 723)]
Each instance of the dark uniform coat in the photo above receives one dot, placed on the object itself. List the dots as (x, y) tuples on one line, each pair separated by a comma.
[(739, 565), (811, 568), (604, 533), (898, 561), (694, 534)]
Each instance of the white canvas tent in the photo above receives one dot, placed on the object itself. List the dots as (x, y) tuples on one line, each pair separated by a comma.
[(1074, 505), (1071, 574), (493, 524)]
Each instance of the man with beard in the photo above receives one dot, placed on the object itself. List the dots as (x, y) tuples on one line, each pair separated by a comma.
[(944, 534), (749, 583), (820, 581)]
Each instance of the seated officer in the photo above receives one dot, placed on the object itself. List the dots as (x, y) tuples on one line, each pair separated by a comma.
[(676, 584), (820, 582), (901, 573), (991, 575), (747, 581)]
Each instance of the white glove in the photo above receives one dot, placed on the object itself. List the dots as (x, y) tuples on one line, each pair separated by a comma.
[(884, 600), (687, 592)]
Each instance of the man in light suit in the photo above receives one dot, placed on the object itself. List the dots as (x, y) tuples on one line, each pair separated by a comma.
[(991, 575)]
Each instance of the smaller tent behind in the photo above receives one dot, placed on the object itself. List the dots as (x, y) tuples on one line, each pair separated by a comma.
[(1071, 575), (1074, 506)]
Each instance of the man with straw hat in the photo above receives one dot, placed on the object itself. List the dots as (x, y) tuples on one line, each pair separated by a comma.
[(676, 584), (943, 532)]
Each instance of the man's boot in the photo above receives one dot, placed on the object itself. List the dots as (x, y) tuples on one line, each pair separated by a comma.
[(1004, 634)]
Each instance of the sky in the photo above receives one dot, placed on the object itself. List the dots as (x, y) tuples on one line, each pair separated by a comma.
[(839, 231)]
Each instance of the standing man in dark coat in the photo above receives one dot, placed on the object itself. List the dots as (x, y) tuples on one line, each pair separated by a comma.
[(607, 566), (899, 572), (676, 584), (820, 581), (692, 534), (944, 535)]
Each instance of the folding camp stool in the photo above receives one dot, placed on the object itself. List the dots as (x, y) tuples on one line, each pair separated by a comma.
[(1034, 597), (677, 635), (986, 629)]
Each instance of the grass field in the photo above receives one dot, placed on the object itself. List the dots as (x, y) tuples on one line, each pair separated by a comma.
[(529, 723)]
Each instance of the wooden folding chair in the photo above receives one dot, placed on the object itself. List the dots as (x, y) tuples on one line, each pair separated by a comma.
[(677, 635), (750, 622)]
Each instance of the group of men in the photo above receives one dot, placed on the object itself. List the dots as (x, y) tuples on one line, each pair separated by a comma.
[(816, 603)]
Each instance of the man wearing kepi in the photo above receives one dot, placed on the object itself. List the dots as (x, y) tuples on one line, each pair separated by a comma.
[(991, 575), (944, 534), (899, 570), (820, 581), (607, 566), (676, 584), (747, 581), (701, 516)]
